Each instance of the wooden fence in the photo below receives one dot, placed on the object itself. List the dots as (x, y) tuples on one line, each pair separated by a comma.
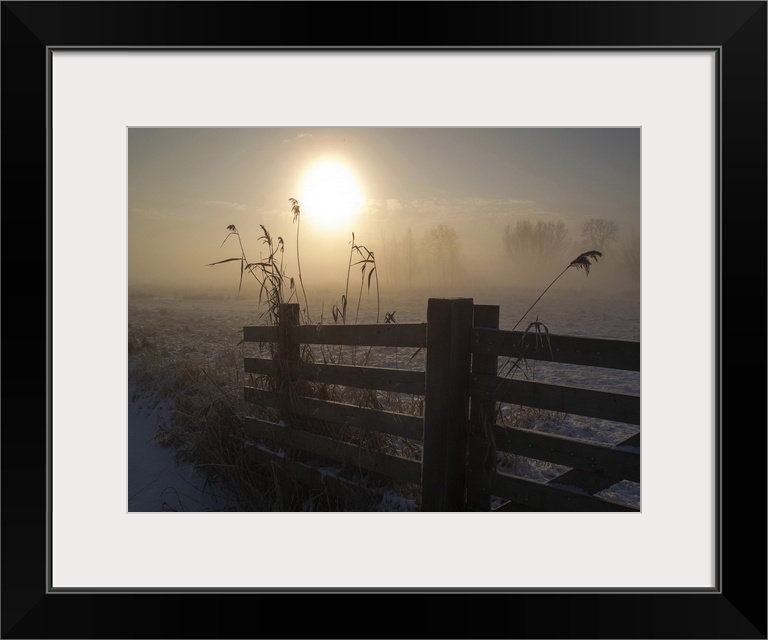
[(458, 433)]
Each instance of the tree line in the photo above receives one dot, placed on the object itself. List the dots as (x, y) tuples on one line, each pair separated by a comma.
[(532, 247), (528, 248)]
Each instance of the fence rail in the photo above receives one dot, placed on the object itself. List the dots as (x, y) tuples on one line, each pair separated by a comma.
[(344, 453), (383, 379), (456, 431), (371, 335), (608, 405), (402, 425), (589, 456), (590, 352)]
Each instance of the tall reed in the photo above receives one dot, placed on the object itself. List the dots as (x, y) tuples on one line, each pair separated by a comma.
[(366, 258), (582, 261), (296, 211), (268, 272)]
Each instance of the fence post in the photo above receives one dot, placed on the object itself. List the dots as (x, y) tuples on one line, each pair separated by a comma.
[(481, 457), (288, 353), (446, 404)]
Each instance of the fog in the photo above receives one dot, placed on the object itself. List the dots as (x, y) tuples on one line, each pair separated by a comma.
[(454, 212)]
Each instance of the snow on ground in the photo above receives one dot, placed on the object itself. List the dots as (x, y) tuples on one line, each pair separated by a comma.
[(204, 329), (156, 480)]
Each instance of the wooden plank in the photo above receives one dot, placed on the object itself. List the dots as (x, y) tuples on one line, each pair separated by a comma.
[(383, 379), (446, 404), (596, 482), (541, 496), (632, 441), (288, 324), (572, 452), (396, 424), (586, 481), (262, 334), (368, 335), (346, 490), (287, 356), (593, 352), (619, 407), (347, 454), (481, 452), (262, 397), (260, 366)]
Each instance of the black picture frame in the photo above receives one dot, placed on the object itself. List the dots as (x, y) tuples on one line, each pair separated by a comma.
[(735, 30)]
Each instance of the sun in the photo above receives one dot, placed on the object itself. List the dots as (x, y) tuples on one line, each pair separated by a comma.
[(330, 195)]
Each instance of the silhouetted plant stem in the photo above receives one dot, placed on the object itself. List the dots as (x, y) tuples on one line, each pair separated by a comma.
[(297, 219), (581, 262), (539, 298), (267, 271), (346, 288)]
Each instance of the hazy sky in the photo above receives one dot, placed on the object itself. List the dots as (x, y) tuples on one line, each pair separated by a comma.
[(186, 185)]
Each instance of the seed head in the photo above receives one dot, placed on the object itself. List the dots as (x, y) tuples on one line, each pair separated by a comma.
[(583, 261)]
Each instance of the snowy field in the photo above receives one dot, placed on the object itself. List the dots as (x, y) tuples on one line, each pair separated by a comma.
[(206, 331)]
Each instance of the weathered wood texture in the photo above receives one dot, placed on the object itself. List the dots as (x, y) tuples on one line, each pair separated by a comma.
[(344, 453), (619, 407), (390, 422), (579, 479), (383, 379), (593, 352), (539, 496), (594, 482), (461, 390), (481, 453), (446, 404), (262, 397), (287, 356), (350, 492), (620, 463), (368, 335)]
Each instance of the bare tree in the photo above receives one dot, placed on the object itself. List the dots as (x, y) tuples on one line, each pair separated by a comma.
[(598, 233), (534, 247), (631, 257), (391, 252), (411, 250), (444, 250)]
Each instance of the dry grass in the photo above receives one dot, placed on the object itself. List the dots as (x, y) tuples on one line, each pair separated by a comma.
[(523, 417), (207, 428)]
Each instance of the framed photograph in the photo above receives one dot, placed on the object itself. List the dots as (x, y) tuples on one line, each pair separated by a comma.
[(91, 87)]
